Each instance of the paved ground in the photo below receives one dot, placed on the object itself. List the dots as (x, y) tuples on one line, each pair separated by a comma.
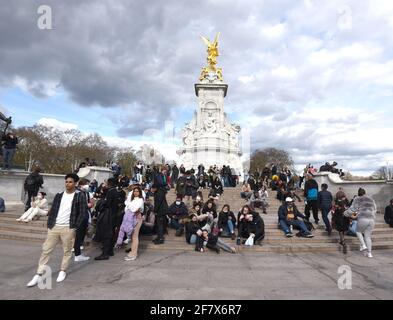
[(189, 275)]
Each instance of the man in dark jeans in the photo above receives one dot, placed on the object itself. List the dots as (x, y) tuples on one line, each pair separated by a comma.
[(325, 203), (80, 234), (311, 195), (33, 183), (9, 142)]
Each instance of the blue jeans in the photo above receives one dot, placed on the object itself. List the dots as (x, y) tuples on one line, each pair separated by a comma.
[(193, 239), (297, 223), (8, 155), (325, 213), (353, 226), (230, 226)]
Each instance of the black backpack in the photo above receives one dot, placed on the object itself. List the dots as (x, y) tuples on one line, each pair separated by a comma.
[(30, 182)]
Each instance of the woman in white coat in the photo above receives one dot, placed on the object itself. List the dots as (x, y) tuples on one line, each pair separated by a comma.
[(39, 207)]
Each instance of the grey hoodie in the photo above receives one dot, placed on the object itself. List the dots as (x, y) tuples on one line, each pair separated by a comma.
[(364, 206)]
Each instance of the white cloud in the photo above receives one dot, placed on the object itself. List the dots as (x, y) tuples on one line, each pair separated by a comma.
[(275, 31), (61, 125)]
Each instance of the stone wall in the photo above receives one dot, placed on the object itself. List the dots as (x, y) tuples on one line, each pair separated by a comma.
[(11, 183), (380, 191)]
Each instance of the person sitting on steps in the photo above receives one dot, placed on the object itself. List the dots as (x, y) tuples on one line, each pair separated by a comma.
[(38, 208), (288, 215), (177, 212), (227, 222)]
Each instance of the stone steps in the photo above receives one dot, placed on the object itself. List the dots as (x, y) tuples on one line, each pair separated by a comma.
[(275, 241)]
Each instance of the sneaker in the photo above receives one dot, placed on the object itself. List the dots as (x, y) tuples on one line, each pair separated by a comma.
[(368, 255), (37, 278), (62, 275), (130, 258), (309, 235), (127, 241), (362, 248), (82, 247), (289, 235), (19, 219), (81, 258), (72, 250)]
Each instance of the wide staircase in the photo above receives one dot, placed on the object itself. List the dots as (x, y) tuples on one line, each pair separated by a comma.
[(275, 241)]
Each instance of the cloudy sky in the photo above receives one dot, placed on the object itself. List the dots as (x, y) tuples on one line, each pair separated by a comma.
[(312, 77)]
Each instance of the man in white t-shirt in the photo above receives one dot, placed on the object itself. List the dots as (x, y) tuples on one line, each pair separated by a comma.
[(64, 217)]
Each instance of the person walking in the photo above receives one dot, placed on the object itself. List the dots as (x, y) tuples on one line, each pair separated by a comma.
[(65, 216), (363, 209), (311, 195), (325, 203)]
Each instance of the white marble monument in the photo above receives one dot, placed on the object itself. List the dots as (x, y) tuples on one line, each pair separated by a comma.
[(210, 138)]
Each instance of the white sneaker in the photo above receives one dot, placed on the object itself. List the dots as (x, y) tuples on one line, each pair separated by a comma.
[(127, 241), (368, 255), (362, 248), (81, 258), (72, 250), (128, 258), (82, 247), (37, 278), (62, 275), (19, 219)]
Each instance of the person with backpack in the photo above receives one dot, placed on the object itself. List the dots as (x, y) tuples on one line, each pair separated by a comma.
[(325, 203), (311, 195), (33, 183)]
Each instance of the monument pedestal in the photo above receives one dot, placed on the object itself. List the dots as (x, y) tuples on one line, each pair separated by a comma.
[(210, 139)]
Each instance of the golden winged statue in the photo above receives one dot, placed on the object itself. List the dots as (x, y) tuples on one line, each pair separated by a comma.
[(212, 54)]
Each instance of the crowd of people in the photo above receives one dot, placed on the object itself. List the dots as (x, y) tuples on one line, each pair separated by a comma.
[(115, 213)]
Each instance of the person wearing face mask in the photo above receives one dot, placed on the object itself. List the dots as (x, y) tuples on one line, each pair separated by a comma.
[(39, 208), (288, 215), (80, 235), (339, 221), (177, 212)]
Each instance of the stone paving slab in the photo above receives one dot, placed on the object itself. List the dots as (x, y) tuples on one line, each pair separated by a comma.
[(191, 275)]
